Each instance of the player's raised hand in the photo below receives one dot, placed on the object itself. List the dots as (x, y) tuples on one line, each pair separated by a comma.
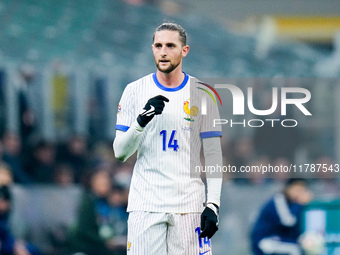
[(209, 221), (153, 107)]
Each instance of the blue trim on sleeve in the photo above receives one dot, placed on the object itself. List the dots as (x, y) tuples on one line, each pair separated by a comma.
[(211, 134), (186, 78), (122, 128)]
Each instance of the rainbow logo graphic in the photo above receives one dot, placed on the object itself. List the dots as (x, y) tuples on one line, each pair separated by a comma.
[(209, 93)]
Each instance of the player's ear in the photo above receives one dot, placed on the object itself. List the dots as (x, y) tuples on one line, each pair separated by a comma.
[(185, 50)]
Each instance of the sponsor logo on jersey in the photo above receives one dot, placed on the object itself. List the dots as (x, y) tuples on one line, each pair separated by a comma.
[(119, 109)]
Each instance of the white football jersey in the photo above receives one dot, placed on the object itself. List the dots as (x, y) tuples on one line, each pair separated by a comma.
[(170, 144)]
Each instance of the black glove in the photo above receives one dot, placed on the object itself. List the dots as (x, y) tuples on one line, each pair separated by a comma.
[(209, 221), (153, 107)]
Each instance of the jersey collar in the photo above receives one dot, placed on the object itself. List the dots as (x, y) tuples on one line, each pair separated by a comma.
[(159, 85)]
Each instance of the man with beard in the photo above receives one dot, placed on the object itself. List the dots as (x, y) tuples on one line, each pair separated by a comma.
[(159, 118)]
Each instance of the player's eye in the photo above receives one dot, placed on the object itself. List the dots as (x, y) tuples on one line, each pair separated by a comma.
[(158, 45), (171, 45)]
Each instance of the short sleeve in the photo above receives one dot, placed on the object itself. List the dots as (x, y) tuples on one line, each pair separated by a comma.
[(126, 113)]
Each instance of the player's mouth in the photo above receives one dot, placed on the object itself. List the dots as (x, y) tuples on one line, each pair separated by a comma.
[(163, 61)]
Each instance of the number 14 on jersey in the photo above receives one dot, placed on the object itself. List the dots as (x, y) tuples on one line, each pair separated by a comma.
[(172, 144)]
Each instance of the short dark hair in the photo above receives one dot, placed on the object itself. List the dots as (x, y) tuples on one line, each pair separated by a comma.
[(173, 27), (293, 181)]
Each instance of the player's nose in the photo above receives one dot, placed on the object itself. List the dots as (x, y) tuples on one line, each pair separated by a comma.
[(163, 51)]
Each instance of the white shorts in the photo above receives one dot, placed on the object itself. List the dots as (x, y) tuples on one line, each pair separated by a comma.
[(166, 234)]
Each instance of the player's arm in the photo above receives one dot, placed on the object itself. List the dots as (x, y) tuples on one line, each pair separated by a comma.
[(126, 143), (213, 156)]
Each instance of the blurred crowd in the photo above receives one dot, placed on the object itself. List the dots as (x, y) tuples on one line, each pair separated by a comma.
[(60, 163), (100, 223)]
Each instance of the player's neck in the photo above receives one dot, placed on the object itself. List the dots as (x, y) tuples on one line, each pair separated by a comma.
[(171, 80)]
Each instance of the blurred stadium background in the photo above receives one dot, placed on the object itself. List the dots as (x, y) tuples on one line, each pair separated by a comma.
[(64, 65)]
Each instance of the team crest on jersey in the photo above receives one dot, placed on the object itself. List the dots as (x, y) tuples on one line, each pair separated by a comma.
[(190, 111), (119, 109), (128, 246)]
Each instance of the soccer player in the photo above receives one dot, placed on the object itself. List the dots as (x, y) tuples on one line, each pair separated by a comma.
[(159, 117), (277, 228)]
